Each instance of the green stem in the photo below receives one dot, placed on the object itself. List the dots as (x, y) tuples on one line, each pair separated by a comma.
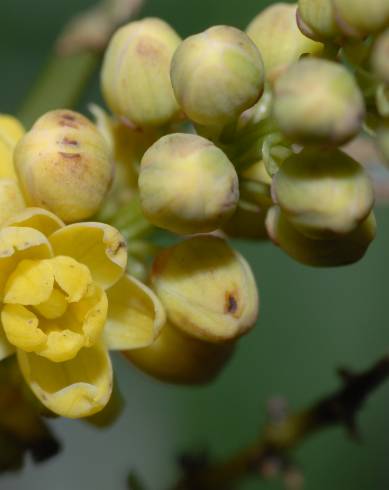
[(60, 85)]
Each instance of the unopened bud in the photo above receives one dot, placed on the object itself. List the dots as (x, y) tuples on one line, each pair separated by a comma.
[(176, 357), (187, 185), (316, 19), (64, 165), (380, 57), (383, 140), (359, 18), (208, 290), (135, 75), (323, 193), (216, 75), (342, 250), (279, 40), (318, 101)]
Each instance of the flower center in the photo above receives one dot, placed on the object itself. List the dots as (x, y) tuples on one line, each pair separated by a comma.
[(52, 307)]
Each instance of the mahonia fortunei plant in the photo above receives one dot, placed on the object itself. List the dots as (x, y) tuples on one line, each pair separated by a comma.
[(223, 134)]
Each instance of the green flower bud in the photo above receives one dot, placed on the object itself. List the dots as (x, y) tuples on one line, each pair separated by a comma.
[(279, 40), (64, 165), (323, 193), (187, 185), (316, 19), (135, 74), (318, 101), (176, 357), (342, 250), (216, 75), (380, 57), (358, 18), (208, 290)]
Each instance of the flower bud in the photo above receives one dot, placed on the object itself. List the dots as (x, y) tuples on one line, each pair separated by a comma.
[(176, 357), (380, 57), (208, 290), (316, 19), (187, 185), (216, 75), (135, 74), (342, 250), (359, 18), (318, 101), (323, 193), (64, 165), (279, 40)]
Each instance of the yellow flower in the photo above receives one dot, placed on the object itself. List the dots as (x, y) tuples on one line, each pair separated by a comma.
[(11, 199), (65, 300)]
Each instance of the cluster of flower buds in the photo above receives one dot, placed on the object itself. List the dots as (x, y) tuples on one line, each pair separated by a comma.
[(224, 134)]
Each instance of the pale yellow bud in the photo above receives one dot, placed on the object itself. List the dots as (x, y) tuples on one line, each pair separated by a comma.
[(187, 185), (358, 18), (64, 165), (216, 75), (323, 193), (135, 76), (279, 40), (316, 19), (343, 250), (176, 357), (318, 101), (208, 290), (380, 57)]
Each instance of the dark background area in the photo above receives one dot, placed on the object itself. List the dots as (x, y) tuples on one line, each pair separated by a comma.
[(312, 321)]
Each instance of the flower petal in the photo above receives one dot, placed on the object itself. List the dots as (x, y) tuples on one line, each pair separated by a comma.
[(91, 313), (77, 388), (135, 315), (21, 327), (72, 277), (17, 244), (62, 344), (97, 245), (11, 199), (38, 218), (31, 283), (10, 133)]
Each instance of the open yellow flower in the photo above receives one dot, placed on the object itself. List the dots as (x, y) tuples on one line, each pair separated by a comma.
[(65, 298)]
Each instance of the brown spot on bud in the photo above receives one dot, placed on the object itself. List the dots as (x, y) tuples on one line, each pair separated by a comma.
[(70, 155), (69, 142), (231, 304)]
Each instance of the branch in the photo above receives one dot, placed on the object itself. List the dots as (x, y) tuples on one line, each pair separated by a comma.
[(285, 432)]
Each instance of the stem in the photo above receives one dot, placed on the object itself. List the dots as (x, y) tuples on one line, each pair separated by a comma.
[(281, 436), (60, 85)]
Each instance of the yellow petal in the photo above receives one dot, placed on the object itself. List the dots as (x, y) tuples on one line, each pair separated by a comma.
[(97, 245), (11, 130), (6, 348), (74, 389), (135, 315), (62, 345), (10, 133), (38, 218), (17, 244), (11, 199), (30, 283), (21, 327), (54, 307), (72, 277), (91, 312)]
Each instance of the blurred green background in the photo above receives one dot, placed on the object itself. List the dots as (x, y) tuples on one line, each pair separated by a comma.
[(311, 322)]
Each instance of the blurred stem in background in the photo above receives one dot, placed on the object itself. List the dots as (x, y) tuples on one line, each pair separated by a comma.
[(270, 454), (75, 57)]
